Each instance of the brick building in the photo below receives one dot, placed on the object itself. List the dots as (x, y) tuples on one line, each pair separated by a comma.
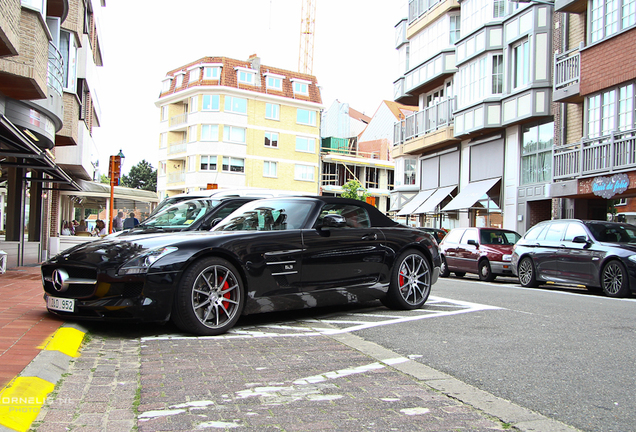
[(595, 109), (237, 123)]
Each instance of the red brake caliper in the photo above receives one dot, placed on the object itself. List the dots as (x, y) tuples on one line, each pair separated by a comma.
[(225, 288)]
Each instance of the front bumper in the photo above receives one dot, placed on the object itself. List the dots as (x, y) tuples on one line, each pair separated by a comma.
[(504, 268)]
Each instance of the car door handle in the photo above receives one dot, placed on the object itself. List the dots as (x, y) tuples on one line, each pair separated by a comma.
[(373, 236)]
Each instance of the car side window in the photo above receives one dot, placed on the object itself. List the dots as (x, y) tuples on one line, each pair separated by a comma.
[(470, 234), (555, 232), (356, 216), (574, 230), (534, 232), (453, 236)]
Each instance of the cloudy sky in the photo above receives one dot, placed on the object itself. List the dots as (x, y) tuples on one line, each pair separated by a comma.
[(354, 55)]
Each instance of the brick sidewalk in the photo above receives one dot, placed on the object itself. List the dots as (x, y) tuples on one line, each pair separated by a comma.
[(24, 322)]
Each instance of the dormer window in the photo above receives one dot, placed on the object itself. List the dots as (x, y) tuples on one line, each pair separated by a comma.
[(165, 84), (245, 76), (301, 87), (195, 74), (274, 82), (211, 72), (179, 79)]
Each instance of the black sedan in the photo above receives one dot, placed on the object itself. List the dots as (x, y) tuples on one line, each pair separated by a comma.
[(597, 254), (269, 255)]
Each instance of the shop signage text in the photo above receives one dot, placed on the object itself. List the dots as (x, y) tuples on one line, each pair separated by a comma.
[(607, 187)]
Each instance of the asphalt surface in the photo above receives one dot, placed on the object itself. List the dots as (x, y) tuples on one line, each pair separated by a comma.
[(149, 378)]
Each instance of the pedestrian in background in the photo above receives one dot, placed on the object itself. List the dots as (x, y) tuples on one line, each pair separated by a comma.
[(118, 222), (131, 221)]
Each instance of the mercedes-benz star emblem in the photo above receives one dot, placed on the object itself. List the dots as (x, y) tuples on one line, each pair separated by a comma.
[(59, 280)]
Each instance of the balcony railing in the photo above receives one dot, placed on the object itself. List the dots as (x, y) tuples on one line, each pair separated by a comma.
[(178, 177), (178, 119), (179, 147), (423, 122), (55, 69), (606, 154), (567, 68), (417, 8)]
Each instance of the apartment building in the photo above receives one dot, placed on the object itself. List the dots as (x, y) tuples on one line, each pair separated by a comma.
[(47, 104), (357, 147), (227, 123), (477, 152), (595, 109)]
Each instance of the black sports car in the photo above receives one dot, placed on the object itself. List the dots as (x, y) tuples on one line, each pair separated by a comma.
[(269, 255)]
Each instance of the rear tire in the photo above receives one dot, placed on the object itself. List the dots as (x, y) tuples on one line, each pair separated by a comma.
[(443, 270), (410, 282), (210, 298), (527, 274), (615, 280)]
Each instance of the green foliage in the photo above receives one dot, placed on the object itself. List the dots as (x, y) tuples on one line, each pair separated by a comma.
[(104, 179), (141, 176), (350, 190)]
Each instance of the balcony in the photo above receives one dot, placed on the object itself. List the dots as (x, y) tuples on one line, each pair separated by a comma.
[(613, 153), (567, 76), (178, 122), (177, 177), (178, 147), (431, 125), (55, 71), (572, 6), (417, 8)]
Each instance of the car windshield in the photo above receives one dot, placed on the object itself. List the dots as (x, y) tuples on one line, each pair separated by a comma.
[(613, 232), (180, 215), (499, 237), (266, 216)]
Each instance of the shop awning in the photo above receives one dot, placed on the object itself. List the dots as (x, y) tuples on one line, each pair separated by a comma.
[(470, 194), (433, 201), (415, 202), (398, 200), (95, 195), (15, 144)]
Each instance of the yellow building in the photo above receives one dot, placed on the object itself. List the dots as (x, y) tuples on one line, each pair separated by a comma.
[(238, 124)]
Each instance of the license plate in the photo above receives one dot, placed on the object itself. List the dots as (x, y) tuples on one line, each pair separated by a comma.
[(61, 304)]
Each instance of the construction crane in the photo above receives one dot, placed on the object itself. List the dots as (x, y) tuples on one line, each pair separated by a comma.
[(307, 25)]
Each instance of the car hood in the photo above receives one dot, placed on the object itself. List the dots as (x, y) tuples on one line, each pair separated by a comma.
[(624, 246), (119, 249), (497, 249)]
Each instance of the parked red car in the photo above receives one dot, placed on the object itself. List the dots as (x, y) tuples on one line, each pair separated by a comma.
[(484, 251)]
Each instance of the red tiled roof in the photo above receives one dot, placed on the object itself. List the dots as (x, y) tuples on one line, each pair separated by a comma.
[(228, 78)]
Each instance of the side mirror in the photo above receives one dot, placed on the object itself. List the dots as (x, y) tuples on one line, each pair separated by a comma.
[(333, 221), (214, 223), (580, 239), (473, 242)]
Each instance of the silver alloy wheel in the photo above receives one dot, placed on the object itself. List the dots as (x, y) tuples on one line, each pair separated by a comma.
[(525, 272), (442, 267), (613, 278), (216, 296), (414, 279)]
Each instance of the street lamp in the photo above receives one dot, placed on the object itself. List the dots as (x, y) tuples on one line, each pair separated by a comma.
[(360, 191), (114, 171)]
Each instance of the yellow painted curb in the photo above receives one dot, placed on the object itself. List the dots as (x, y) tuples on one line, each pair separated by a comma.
[(66, 340), (21, 402)]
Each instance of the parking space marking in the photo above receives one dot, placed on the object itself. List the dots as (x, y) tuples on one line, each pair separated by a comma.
[(333, 324)]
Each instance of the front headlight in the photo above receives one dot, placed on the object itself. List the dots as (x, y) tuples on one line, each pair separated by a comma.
[(142, 263), (632, 258), (507, 257)]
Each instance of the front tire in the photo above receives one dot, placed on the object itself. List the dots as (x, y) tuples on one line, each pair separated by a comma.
[(527, 275), (485, 272), (615, 280), (210, 298), (410, 282)]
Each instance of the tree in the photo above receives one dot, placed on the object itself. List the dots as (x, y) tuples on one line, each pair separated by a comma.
[(141, 176), (350, 190), (104, 179)]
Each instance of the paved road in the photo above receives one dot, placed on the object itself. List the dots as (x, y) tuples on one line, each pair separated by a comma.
[(559, 351)]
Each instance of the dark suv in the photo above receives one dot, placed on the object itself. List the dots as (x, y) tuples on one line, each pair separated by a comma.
[(484, 251), (597, 254)]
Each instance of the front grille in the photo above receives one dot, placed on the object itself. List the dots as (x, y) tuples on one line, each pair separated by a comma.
[(75, 290)]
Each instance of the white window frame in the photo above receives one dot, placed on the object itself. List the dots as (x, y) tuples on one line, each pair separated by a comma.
[(179, 80), (166, 84), (228, 105), (165, 116), (274, 81), (304, 172), (229, 134), (272, 111), (611, 110), (210, 132), (163, 140), (273, 139), (69, 80), (192, 133), (245, 76), (212, 99), (300, 87), (212, 72), (194, 74), (194, 102), (310, 113), (305, 144), (409, 162), (520, 66), (607, 18), (208, 162), (270, 169), (230, 162)]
